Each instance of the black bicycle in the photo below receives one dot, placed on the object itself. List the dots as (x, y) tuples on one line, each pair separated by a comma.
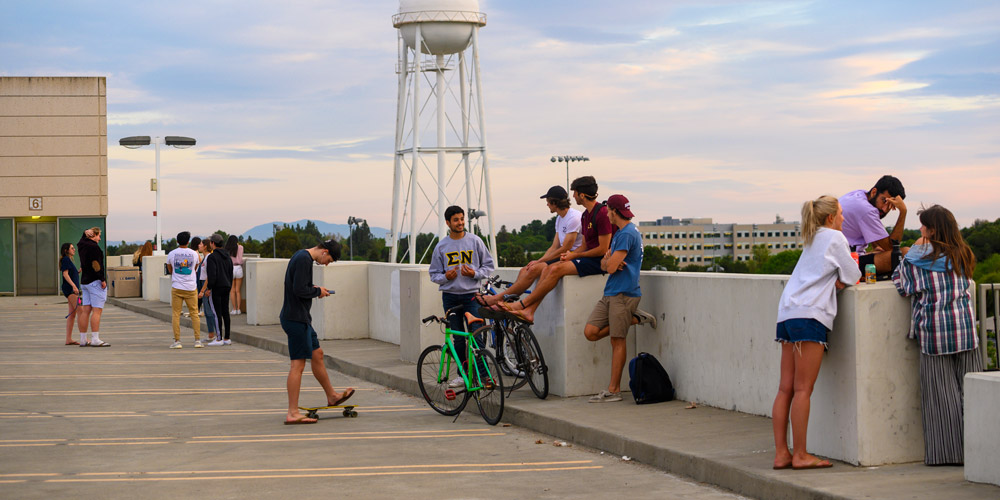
[(517, 349)]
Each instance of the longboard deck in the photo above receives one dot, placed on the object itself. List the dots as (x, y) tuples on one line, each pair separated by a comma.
[(313, 411)]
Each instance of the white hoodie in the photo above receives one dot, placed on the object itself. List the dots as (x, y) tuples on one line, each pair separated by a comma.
[(811, 291)]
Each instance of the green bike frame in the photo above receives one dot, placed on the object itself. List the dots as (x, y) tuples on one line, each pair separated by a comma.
[(472, 346)]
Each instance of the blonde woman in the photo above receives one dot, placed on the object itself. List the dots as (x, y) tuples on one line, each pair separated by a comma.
[(806, 311)]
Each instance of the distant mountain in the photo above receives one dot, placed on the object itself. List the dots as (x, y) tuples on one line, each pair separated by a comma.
[(263, 231)]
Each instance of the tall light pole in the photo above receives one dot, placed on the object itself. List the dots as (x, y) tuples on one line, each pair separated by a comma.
[(139, 141), (352, 222), (568, 159)]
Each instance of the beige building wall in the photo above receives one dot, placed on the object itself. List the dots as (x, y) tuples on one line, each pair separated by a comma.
[(53, 146)]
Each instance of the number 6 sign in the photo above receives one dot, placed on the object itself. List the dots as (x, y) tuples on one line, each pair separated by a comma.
[(34, 203)]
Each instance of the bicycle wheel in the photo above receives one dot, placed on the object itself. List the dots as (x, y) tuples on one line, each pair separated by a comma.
[(507, 354), (534, 362), (489, 396), (433, 377)]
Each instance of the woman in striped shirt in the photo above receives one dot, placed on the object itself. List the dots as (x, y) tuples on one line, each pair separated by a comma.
[(936, 273)]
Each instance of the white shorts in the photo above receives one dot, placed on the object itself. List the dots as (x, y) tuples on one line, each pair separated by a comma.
[(93, 295), (237, 271)]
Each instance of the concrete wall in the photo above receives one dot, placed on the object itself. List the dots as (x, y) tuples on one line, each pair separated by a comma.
[(264, 284), (152, 270), (52, 130), (165, 285), (343, 315), (418, 298), (982, 439), (383, 300)]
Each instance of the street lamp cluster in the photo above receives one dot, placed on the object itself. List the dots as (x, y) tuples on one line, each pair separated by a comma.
[(139, 141), (568, 159), (353, 222)]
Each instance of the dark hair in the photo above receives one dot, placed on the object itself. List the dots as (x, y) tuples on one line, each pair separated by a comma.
[(946, 240), (451, 211), (65, 249), (183, 238), (586, 185), (559, 203), (195, 242), (232, 245), (333, 246), (892, 185)]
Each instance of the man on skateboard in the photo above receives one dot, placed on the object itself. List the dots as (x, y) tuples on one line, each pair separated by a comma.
[(296, 321)]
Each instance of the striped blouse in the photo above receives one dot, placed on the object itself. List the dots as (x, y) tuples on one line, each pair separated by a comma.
[(943, 319)]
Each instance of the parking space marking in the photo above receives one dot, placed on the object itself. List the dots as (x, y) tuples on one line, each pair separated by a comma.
[(354, 471)]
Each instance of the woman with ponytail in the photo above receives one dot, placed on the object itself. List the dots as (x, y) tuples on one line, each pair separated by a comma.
[(936, 273), (806, 311)]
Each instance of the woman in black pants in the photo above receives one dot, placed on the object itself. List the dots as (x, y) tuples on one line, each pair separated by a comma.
[(218, 284)]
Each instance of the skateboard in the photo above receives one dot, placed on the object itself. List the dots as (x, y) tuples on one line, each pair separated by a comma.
[(348, 410)]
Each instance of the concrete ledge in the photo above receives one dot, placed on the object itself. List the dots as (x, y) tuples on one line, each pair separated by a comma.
[(728, 449), (264, 285), (982, 435)]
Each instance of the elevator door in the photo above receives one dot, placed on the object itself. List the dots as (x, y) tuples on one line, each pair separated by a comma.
[(37, 262)]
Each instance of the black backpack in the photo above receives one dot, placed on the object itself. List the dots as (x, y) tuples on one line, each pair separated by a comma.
[(649, 381)]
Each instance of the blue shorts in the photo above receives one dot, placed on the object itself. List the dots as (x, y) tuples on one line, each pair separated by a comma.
[(93, 295), (302, 339), (588, 266), (801, 330)]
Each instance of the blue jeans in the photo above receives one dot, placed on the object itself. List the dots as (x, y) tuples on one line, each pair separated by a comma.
[(465, 304)]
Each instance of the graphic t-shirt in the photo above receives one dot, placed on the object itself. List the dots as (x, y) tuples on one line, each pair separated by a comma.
[(570, 223), (596, 223), (183, 261)]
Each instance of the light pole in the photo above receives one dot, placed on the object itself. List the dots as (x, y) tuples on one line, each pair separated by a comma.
[(139, 141), (568, 159), (353, 221), (274, 241)]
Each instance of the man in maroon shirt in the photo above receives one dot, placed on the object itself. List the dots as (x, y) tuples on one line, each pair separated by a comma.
[(597, 231)]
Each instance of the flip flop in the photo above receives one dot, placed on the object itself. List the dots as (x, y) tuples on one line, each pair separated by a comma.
[(102, 344), (479, 299), (347, 395), (301, 420), (73, 343), (816, 464)]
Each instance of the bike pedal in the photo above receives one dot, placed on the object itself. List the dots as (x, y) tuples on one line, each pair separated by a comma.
[(449, 395)]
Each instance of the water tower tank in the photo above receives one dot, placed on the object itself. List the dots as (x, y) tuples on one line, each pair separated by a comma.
[(445, 25)]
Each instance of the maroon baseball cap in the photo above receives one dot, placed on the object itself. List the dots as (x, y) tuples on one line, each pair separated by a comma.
[(621, 205)]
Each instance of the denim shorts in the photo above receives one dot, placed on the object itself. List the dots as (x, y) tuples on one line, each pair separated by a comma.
[(801, 330), (302, 339)]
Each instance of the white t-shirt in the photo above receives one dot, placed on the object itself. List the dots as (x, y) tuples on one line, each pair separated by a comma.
[(183, 261), (570, 224), (811, 291)]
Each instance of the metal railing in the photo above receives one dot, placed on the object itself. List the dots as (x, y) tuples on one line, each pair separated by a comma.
[(438, 16), (988, 291)]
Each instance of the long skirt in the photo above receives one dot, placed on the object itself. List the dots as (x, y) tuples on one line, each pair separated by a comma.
[(941, 394)]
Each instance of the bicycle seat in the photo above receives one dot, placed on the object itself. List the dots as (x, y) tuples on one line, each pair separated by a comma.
[(470, 319)]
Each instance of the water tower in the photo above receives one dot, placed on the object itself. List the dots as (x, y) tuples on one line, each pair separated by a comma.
[(440, 84)]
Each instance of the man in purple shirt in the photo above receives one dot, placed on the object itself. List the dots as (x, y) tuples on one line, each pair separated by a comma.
[(863, 214)]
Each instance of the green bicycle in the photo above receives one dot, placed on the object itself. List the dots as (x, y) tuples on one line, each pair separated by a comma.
[(439, 365)]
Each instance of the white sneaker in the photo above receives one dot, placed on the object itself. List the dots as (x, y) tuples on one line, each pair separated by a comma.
[(215, 342), (176, 345), (227, 342), (456, 382), (197, 344)]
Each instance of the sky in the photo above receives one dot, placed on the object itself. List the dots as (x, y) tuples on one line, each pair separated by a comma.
[(734, 110)]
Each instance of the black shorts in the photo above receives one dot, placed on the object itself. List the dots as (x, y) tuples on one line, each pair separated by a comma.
[(302, 339), (588, 266), (864, 260)]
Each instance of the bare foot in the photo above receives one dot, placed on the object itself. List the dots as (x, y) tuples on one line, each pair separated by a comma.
[(492, 299), (782, 459)]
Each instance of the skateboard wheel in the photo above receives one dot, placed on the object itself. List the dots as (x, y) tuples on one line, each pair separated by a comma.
[(312, 414), (347, 413), (354, 414)]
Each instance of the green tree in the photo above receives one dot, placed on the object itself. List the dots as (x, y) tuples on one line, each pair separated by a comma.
[(781, 263), (287, 243), (760, 255)]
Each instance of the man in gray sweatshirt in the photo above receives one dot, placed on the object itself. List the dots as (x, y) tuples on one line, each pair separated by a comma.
[(458, 263)]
